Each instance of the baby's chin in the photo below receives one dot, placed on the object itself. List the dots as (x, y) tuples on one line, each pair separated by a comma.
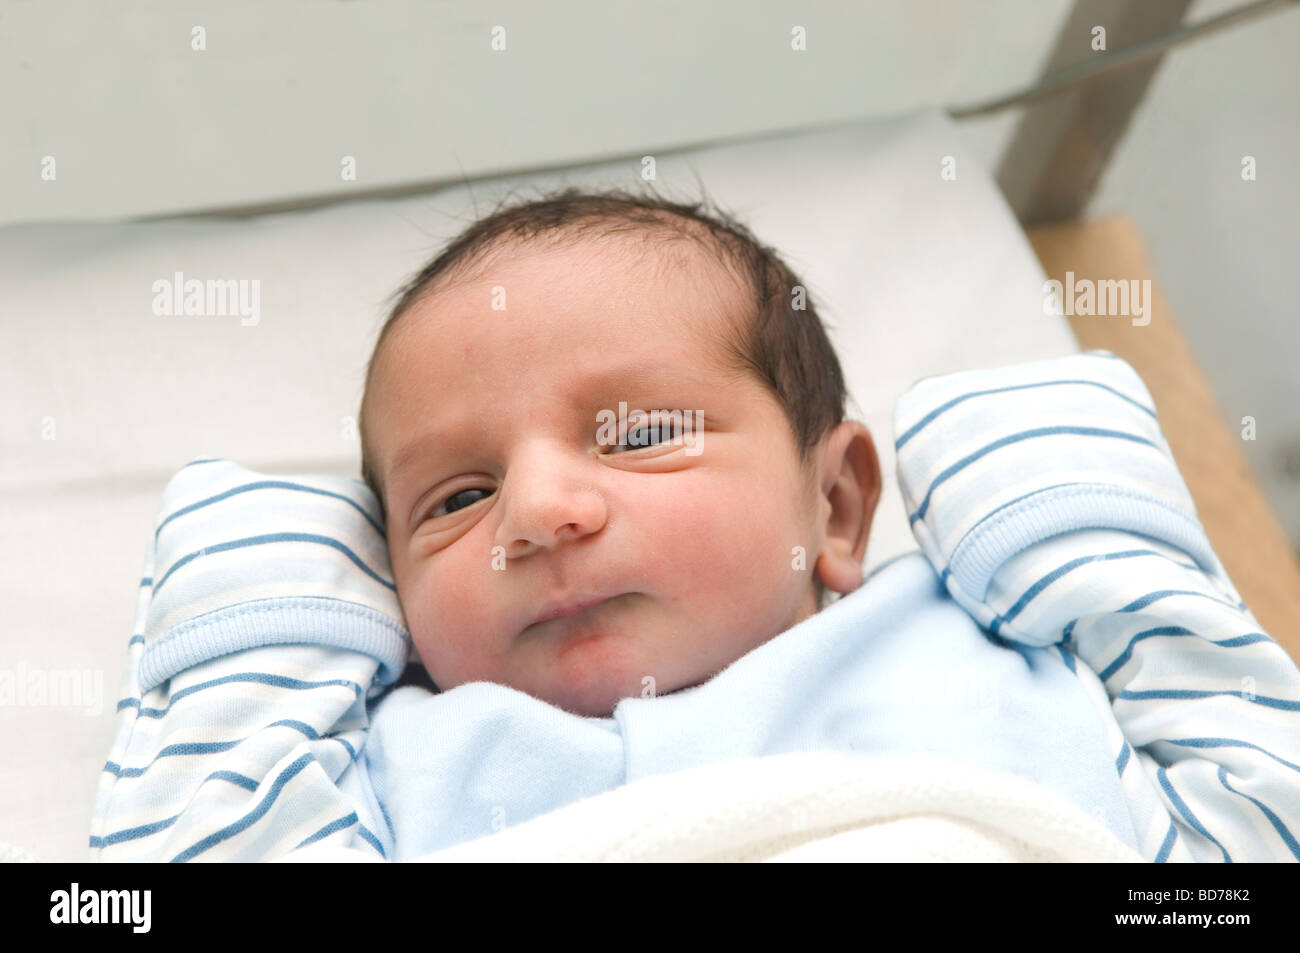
[(602, 706), (590, 689), (593, 695)]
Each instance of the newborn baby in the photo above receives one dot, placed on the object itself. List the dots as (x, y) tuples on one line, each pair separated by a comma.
[(536, 545)]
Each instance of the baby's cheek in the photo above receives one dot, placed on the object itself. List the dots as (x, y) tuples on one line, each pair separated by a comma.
[(437, 617), (431, 649), (723, 541)]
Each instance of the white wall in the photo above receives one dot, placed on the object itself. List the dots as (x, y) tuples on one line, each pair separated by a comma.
[(139, 123)]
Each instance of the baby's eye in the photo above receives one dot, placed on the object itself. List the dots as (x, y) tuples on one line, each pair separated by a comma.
[(458, 501), (647, 435)]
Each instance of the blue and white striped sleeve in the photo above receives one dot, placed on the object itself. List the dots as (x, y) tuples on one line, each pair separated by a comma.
[(266, 619), (1048, 501)]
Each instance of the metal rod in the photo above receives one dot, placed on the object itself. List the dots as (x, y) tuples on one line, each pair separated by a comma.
[(1118, 59)]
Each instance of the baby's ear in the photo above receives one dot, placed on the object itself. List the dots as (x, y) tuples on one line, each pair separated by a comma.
[(850, 490)]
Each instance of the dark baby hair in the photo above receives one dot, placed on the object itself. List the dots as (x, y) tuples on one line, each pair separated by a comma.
[(782, 345)]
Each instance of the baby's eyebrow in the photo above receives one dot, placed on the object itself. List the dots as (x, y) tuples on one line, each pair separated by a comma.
[(415, 451)]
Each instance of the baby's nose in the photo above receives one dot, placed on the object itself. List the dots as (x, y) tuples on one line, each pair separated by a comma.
[(547, 501)]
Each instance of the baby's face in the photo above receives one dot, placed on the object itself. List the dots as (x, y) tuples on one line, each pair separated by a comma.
[(505, 503)]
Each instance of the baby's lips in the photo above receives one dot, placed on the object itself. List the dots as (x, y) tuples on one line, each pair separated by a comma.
[(562, 606)]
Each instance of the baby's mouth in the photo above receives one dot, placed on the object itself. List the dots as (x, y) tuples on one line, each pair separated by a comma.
[(577, 608)]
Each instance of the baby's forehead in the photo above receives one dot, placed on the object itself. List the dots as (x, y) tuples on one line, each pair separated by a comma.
[(666, 287)]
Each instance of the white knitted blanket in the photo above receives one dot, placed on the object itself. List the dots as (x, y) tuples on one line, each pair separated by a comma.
[(810, 806)]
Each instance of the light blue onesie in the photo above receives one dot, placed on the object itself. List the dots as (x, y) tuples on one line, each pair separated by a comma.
[(1066, 621)]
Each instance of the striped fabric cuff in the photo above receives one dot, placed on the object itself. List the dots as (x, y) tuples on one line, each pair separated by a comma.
[(245, 560), (991, 462)]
